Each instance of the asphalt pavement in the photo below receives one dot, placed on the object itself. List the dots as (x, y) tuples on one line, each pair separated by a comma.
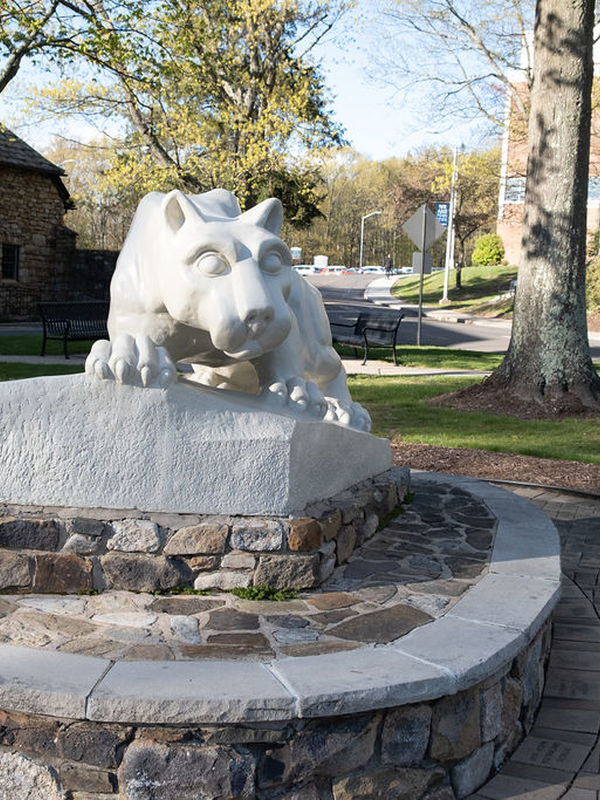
[(350, 293), (440, 327)]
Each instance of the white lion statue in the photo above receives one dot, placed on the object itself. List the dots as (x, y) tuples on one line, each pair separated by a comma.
[(200, 281)]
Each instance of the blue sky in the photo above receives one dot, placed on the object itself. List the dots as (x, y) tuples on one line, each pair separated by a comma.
[(381, 122)]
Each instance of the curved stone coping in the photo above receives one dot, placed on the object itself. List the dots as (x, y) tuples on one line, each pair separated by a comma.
[(484, 630)]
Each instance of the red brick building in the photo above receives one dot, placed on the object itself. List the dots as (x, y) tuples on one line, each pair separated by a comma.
[(512, 181)]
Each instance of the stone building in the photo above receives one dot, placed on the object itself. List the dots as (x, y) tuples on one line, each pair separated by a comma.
[(38, 255)]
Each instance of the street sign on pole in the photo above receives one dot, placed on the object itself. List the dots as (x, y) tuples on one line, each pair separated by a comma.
[(413, 228), (442, 213), (424, 229)]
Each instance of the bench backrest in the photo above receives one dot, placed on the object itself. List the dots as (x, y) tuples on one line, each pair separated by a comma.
[(382, 327)]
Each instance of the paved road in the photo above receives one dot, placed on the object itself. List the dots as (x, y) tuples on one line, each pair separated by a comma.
[(347, 293)]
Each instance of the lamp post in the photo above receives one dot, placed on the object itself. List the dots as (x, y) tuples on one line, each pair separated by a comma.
[(362, 235), (449, 264)]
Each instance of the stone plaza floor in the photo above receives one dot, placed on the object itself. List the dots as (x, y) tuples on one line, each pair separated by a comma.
[(560, 758), (407, 574)]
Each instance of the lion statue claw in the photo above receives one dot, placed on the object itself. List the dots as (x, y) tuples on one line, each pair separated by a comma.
[(200, 281)]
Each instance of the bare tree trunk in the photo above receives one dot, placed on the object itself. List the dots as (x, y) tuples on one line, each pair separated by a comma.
[(548, 361)]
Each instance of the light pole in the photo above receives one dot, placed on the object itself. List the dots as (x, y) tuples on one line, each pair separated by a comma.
[(362, 235), (450, 235)]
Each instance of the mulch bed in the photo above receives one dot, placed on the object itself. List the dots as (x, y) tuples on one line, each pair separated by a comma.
[(502, 466)]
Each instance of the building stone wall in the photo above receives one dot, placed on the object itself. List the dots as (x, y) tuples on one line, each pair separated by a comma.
[(31, 216), (50, 266), (444, 749)]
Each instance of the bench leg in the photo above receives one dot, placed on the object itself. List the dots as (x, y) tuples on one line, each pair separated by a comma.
[(65, 346), (366, 354), (395, 357), (43, 353)]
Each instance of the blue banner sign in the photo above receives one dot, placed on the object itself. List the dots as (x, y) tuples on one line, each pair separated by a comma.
[(442, 212)]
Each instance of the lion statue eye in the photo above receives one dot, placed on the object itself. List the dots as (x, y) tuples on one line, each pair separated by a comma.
[(212, 264), (272, 262)]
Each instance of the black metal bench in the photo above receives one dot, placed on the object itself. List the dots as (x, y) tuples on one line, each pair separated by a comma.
[(373, 328), (73, 321)]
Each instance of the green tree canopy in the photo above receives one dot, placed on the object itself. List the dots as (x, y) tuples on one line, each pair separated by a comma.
[(211, 93)]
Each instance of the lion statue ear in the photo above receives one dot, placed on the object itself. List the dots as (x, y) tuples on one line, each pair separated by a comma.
[(218, 202), (177, 209), (268, 215)]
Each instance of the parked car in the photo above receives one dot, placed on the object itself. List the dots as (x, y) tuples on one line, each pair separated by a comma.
[(337, 270), (306, 269), (375, 270)]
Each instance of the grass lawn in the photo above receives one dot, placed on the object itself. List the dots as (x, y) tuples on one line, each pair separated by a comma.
[(31, 345), (430, 357), (398, 407), (480, 286), (15, 372)]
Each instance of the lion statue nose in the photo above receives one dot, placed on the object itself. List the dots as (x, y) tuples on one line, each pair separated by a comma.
[(256, 320)]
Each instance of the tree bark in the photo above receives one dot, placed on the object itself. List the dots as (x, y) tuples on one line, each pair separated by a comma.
[(548, 361)]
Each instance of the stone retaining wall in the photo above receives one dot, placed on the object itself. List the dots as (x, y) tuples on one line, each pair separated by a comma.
[(64, 550), (439, 750)]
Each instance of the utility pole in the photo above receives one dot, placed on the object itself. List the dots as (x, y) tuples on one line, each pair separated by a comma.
[(362, 235), (450, 240)]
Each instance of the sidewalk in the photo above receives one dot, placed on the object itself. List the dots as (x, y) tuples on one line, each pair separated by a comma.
[(560, 757)]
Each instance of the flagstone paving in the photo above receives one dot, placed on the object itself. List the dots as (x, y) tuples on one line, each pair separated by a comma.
[(412, 571), (560, 758)]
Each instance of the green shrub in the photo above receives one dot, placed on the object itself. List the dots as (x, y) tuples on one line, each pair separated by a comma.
[(593, 283), (488, 250)]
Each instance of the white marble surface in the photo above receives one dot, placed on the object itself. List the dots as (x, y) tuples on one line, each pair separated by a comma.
[(76, 441), (199, 280)]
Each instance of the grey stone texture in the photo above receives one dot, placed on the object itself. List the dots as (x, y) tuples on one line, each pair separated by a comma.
[(14, 570), (134, 536), (141, 573), (141, 740), (258, 535), (295, 572), (428, 751), (456, 728), (31, 534), (22, 778), (322, 748), (469, 774), (204, 553), (186, 772), (405, 735)]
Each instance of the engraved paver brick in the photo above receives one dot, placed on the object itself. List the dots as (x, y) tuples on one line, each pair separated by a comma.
[(565, 719), (580, 794), (507, 787), (548, 753), (572, 683), (587, 781)]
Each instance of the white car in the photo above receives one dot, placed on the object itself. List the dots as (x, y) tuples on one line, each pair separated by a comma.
[(377, 270), (306, 269)]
